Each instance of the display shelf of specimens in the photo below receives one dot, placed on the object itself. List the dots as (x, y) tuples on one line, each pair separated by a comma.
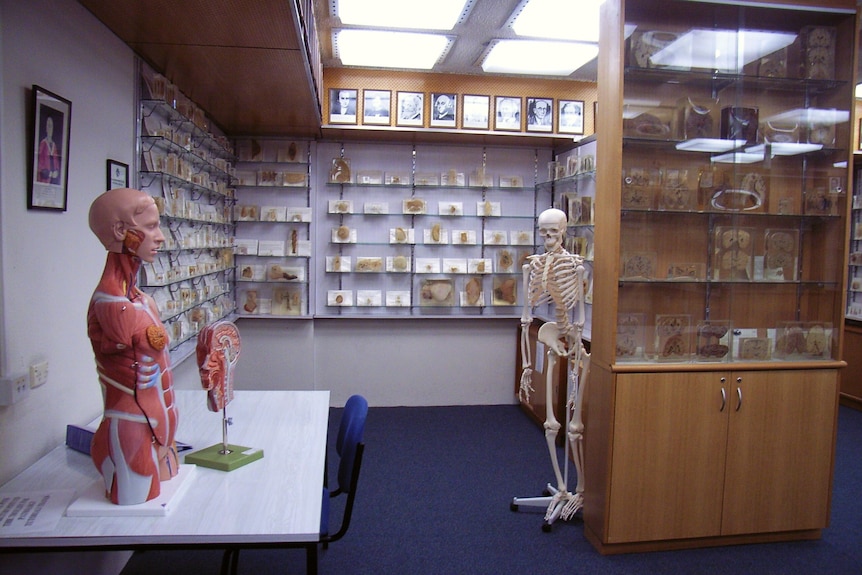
[(186, 167), (854, 291), (733, 195), (273, 216), (423, 231), (569, 184)]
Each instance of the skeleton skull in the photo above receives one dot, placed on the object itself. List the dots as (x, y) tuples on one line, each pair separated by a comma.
[(552, 227)]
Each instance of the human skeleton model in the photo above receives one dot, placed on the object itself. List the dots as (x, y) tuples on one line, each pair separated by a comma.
[(556, 277), (217, 354), (133, 447)]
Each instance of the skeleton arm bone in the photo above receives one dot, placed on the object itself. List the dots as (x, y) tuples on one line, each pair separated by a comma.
[(525, 386)]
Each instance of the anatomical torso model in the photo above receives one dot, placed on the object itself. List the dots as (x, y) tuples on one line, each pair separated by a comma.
[(134, 447)]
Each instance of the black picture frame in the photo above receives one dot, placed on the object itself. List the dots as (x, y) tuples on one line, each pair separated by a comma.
[(410, 109), (475, 112), (377, 107), (444, 110), (49, 173), (349, 98), (117, 174), (540, 114), (570, 117), (507, 113)]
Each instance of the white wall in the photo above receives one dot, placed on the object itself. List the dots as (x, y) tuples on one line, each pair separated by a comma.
[(390, 361), (50, 260)]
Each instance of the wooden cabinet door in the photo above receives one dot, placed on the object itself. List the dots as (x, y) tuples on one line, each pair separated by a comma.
[(779, 450), (669, 445)]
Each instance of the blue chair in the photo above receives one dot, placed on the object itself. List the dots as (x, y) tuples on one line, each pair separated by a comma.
[(349, 447)]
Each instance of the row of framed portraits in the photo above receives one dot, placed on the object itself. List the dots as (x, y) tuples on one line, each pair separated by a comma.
[(448, 110)]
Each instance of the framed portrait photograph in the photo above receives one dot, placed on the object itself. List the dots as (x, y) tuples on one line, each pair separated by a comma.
[(49, 177), (475, 112), (342, 106), (444, 110), (507, 113), (411, 108), (571, 117), (117, 175), (376, 106), (540, 114)]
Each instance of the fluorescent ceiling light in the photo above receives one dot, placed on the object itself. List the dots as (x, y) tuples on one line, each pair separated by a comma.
[(537, 57), (559, 19), (810, 116), (387, 49), (722, 50), (785, 148), (737, 158), (418, 14), (709, 145)]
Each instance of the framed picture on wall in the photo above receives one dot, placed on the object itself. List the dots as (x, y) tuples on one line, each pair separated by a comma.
[(49, 174), (117, 174), (571, 117), (376, 105), (411, 106), (507, 113), (342, 106), (540, 114), (444, 110), (475, 112)]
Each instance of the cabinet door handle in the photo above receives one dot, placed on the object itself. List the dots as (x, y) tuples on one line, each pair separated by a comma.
[(738, 398), (723, 399)]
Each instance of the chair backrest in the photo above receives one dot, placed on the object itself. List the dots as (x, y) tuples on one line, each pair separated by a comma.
[(350, 448), (350, 434)]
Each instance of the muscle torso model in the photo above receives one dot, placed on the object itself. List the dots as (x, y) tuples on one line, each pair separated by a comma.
[(556, 277), (133, 448)]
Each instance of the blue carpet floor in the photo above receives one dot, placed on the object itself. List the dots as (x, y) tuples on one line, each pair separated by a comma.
[(434, 499)]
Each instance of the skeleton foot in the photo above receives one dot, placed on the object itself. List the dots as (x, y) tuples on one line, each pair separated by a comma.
[(558, 503), (572, 506)]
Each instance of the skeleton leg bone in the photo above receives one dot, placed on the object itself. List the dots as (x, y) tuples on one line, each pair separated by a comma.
[(559, 503), (579, 367)]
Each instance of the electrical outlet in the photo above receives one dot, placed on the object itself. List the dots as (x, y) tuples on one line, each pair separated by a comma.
[(13, 389), (38, 374)]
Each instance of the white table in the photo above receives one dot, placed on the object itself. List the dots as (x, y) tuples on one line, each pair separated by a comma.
[(275, 500)]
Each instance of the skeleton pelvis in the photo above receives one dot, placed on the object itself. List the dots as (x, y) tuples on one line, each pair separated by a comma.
[(549, 334)]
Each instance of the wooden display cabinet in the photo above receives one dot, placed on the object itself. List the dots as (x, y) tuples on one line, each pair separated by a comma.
[(720, 250)]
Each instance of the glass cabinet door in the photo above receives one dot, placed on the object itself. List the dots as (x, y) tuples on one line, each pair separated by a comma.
[(736, 136)]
